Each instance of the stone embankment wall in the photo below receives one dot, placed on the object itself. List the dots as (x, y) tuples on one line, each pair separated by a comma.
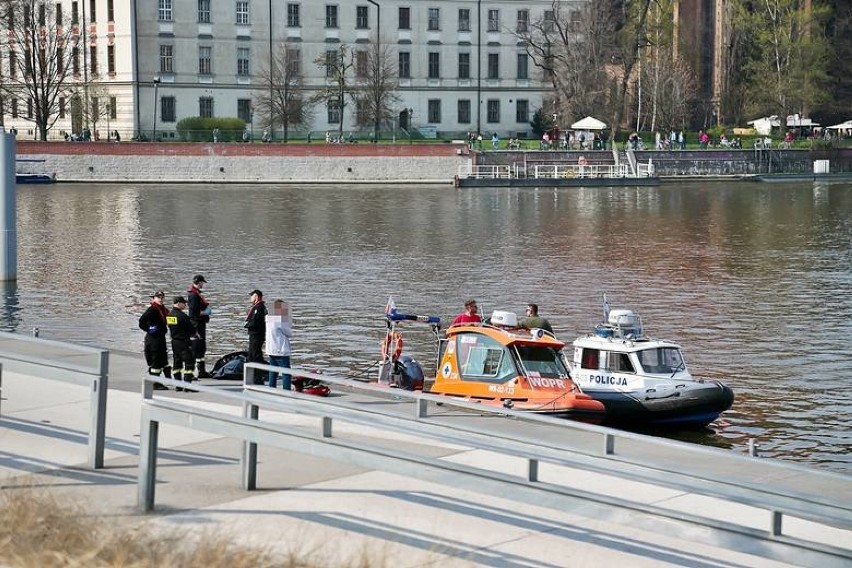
[(243, 163)]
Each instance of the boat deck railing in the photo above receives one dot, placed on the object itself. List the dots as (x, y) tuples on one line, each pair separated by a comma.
[(541, 442), (554, 171)]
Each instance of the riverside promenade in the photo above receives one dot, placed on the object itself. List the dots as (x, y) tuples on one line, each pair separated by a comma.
[(340, 512)]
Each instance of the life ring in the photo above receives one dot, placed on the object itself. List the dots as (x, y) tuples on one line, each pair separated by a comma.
[(392, 346)]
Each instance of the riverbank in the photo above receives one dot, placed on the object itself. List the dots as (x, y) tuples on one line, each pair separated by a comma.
[(380, 163)]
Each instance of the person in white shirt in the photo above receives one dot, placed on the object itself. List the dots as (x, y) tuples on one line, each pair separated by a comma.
[(278, 333)]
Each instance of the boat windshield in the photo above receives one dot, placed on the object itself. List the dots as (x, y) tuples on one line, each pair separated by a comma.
[(542, 360), (663, 360)]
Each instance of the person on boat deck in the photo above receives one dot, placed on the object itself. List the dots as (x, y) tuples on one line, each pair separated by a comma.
[(469, 315), (535, 321), (256, 327), (278, 333)]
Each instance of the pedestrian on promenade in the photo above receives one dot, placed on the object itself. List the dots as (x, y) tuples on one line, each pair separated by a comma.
[(469, 315), (279, 328), (199, 314), (153, 323), (535, 321), (681, 140), (256, 326), (183, 333)]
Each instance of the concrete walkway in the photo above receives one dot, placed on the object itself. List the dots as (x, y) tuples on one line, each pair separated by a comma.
[(333, 512)]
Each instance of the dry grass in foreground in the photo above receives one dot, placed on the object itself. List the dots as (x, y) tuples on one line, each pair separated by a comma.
[(39, 531)]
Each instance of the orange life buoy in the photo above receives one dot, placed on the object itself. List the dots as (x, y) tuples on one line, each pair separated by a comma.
[(392, 346)]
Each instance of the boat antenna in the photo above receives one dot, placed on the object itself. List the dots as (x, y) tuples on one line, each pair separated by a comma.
[(605, 308)]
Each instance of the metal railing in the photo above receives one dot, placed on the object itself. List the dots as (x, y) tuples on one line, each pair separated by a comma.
[(580, 171), (28, 359), (614, 454), (485, 172)]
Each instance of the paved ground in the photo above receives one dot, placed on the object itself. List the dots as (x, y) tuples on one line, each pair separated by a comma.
[(333, 511)]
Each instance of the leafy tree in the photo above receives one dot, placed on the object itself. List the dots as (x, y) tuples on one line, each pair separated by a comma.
[(282, 103), (375, 72), (43, 56), (337, 64)]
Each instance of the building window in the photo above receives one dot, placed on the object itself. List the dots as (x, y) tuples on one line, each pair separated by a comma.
[(404, 19), (244, 110), (111, 59), (167, 59), (523, 66), (167, 109), (96, 107), (14, 108), (30, 107), (243, 61), (293, 20), (523, 21), (294, 61), (493, 20), (205, 66), (464, 20), (361, 63), (331, 58), (493, 111), (205, 107), (549, 20), (404, 65), (93, 59), (333, 110), (93, 13), (61, 107), (522, 111), (493, 65), (434, 111), (330, 16), (58, 14), (165, 12), (362, 17), (60, 60), (203, 11), (464, 66), (434, 65), (13, 67), (242, 12), (75, 61), (113, 108), (464, 111), (434, 19), (362, 111), (110, 11)]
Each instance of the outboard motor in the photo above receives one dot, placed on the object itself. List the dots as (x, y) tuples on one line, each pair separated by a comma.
[(407, 374)]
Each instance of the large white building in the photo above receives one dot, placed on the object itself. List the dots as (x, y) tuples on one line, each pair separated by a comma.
[(460, 65)]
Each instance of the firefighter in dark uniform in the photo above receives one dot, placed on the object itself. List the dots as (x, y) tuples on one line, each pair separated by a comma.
[(153, 323), (199, 314), (256, 327), (182, 332)]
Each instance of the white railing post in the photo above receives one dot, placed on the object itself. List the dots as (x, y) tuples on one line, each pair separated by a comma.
[(249, 458), (98, 407), (147, 481)]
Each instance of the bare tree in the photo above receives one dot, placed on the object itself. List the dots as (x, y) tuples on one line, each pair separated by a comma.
[(283, 102), (670, 89), (375, 74), (337, 64), (43, 54)]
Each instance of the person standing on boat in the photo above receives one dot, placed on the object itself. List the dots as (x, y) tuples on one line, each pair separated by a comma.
[(199, 314), (183, 333), (535, 321), (278, 332), (153, 323), (469, 315), (256, 326)]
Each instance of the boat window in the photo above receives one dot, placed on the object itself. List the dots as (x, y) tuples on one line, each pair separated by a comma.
[(619, 363), (590, 359), (543, 360), (483, 359), (665, 360)]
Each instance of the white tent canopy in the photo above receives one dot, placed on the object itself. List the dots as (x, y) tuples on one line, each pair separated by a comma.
[(842, 126), (588, 123)]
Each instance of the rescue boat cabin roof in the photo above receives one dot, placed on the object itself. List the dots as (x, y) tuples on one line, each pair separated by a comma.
[(623, 345), (508, 335)]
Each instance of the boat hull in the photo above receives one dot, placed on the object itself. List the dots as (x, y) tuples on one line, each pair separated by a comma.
[(692, 408)]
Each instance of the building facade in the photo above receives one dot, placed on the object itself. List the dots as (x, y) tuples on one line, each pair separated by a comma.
[(459, 64)]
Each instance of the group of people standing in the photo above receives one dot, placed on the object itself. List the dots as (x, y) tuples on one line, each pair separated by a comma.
[(186, 323)]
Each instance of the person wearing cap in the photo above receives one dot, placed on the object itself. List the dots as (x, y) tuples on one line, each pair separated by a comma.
[(535, 321), (182, 332), (256, 326), (153, 323), (199, 314), (469, 315)]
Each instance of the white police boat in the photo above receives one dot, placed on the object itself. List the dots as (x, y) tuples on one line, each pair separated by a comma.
[(643, 381)]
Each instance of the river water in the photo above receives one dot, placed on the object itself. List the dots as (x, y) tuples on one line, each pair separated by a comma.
[(753, 280)]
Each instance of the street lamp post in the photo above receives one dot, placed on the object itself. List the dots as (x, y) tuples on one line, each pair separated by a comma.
[(156, 81), (410, 123), (377, 110)]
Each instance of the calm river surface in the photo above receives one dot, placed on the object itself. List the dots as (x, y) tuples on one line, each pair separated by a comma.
[(753, 280)]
